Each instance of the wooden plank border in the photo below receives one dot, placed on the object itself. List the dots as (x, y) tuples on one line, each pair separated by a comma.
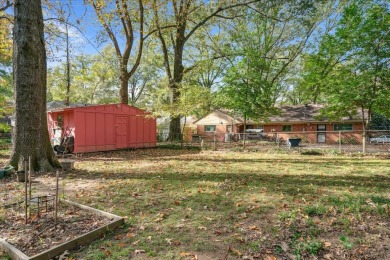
[(117, 221)]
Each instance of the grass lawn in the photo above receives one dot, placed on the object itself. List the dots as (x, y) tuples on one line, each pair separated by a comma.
[(187, 204)]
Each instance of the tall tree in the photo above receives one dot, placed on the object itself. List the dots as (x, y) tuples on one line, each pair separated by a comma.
[(264, 47), (94, 78), (352, 65), (31, 137), (187, 17), (131, 16)]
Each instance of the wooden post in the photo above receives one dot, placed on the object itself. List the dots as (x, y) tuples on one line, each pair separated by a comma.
[(56, 200), (25, 191), (29, 177), (215, 142), (364, 142), (339, 141), (5, 200)]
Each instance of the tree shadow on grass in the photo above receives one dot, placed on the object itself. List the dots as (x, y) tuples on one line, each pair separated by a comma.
[(136, 154), (303, 160), (288, 184)]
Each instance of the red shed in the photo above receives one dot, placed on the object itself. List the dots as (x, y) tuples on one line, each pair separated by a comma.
[(103, 127)]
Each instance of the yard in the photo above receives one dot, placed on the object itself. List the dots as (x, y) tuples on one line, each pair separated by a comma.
[(188, 204)]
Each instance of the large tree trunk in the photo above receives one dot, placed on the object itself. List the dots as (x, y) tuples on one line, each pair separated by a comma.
[(124, 89), (178, 73), (29, 64)]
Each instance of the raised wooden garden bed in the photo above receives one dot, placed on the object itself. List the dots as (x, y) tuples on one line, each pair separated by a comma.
[(54, 238)]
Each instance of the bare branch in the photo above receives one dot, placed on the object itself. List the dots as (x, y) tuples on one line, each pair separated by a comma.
[(141, 40), (7, 18), (263, 14), (7, 5), (160, 28), (228, 17), (213, 14), (163, 43), (107, 28)]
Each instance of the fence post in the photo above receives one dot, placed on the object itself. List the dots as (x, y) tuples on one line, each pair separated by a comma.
[(339, 141), (277, 139), (25, 192), (364, 141)]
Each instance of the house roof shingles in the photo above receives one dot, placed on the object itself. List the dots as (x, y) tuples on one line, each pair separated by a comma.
[(307, 113), (292, 113)]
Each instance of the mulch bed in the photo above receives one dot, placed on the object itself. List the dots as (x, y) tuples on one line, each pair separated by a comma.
[(41, 234)]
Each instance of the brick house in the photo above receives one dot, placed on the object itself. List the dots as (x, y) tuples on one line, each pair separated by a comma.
[(293, 120)]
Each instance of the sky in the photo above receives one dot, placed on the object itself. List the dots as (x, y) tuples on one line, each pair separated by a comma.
[(82, 32)]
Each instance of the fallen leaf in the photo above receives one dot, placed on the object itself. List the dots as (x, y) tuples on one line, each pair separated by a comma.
[(118, 237), (284, 246), (243, 215), (130, 235), (328, 256), (121, 245), (327, 244), (235, 251), (139, 251), (254, 227)]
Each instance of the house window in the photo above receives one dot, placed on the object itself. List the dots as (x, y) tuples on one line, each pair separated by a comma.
[(342, 127), (286, 128), (210, 128), (229, 129), (321, 128)]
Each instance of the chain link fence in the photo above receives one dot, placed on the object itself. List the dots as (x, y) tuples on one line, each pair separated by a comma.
[(375, 141)]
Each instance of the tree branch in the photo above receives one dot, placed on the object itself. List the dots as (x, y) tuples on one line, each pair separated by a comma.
[(227, 17), (163, 44), (7, 18), (141, 40), (263, 14), (107, 28), (160, 28), (7, 5), (213, 14)]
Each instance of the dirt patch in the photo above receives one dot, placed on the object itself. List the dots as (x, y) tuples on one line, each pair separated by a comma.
[(42, 233)]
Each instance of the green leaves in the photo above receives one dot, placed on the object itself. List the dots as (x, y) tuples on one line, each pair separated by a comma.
[(94, 79), (350, 68), (265, 45)]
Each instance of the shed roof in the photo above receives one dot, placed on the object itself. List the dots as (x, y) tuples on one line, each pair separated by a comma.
[(56, 106)]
